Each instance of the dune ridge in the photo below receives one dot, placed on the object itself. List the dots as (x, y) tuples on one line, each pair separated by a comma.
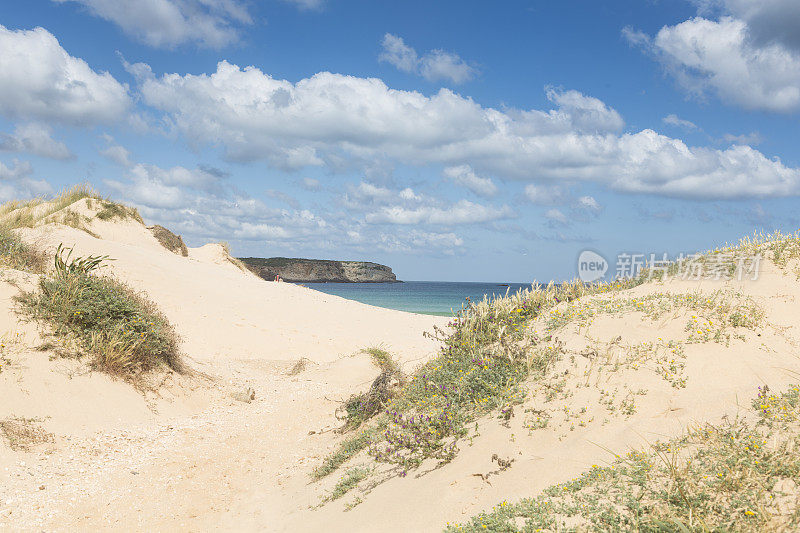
[(233, 443)]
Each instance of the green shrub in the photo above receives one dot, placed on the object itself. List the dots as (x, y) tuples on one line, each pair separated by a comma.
[(120, 329)]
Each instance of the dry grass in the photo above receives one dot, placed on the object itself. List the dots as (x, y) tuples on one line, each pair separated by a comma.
[(23, 434), (172, 242), (234, 261)]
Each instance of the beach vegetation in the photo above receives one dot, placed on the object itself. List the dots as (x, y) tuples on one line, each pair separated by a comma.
[(172, 242), (16, 254), (738, 475), (121, 330)]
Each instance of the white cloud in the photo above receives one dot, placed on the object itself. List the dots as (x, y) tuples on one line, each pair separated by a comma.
[(116, 153), (751, 139), (16, 183), (674, 120), (464, 175), (21, 169), (460, 213), (36, 139), (588, 203), (41, 81), (545, 195), (768, 21), (360, 121), (720, 57), (195, 202), (436, 65), (556, 217), (417, 241), (168, 23)]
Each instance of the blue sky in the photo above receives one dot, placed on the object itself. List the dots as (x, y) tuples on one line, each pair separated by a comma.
[(474, 141)]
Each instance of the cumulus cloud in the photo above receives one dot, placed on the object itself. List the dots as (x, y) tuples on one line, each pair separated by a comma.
[(436, 65), (556, 218), (720, 57), (197, 203), (346, 118), (464, 175), (417, 241), (545, 195), (42, 82), (674, 120), (168, 23), (21, 169), (462, 212), (588, 203), (34, 139), (769, 21), (116, 153), (15, 182)]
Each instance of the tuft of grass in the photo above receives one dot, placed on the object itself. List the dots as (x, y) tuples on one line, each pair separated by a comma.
[(172, 242), (18, 255), (122, 331), (736, 476), (233, 260), (361, 407), (23, 434), (16, 214), (349, 448), (112, 210), (349, 481)]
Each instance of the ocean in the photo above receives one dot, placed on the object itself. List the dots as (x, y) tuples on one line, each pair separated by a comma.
[(442, 298)]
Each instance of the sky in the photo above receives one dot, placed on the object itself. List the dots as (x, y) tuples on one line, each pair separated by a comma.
[(459, 141)]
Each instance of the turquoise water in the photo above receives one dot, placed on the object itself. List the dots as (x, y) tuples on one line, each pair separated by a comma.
[(428, 297)]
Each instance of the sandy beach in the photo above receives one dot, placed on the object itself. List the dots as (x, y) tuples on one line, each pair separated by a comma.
[(231, 443)]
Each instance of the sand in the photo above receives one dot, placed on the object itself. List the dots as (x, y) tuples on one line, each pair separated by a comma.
[(185, 454)]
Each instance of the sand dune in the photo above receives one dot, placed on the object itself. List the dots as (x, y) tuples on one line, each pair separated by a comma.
[(189, 455)]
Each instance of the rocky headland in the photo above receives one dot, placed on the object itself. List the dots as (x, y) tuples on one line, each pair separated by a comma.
[(319, 270)]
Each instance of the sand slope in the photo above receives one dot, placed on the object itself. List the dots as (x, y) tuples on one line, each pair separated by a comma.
[(190, 457)]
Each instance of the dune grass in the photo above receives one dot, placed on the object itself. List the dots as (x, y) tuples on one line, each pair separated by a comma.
[(172, 242), (121, 330), (18, 255), (481, 366), (735, 476)]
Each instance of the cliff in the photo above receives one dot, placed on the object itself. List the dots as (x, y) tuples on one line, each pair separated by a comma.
[(319, 270)]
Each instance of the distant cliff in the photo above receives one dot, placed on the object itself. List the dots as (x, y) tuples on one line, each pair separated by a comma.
[(310, 270)]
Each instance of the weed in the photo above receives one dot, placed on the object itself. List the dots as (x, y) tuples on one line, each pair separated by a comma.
[(18, 255), (349, 481), (172, 242), (112, 210), (23, 434), (122, 330), (737, 476)]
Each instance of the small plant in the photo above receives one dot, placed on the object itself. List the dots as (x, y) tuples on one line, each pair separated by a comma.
[(18, 255), (22, 434), (121, 330), (735, 476), (349, 481), (66, 266), (172, 242), (112, 210)]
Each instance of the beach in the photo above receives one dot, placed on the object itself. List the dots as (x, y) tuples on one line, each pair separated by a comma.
[(236, 439)]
